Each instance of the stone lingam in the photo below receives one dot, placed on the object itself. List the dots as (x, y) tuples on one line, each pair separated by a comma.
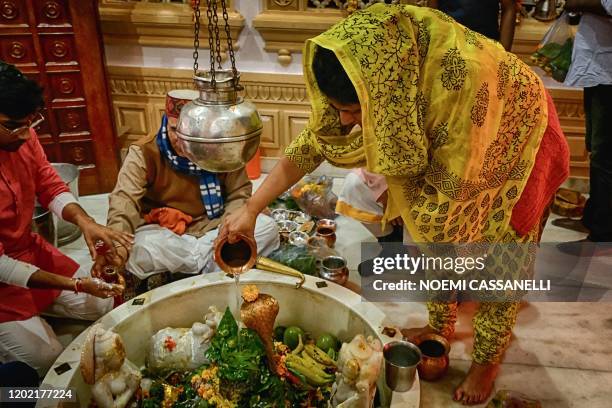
[(258, 312)]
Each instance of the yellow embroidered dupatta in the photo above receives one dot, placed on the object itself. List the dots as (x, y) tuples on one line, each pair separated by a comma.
[(452, 120)]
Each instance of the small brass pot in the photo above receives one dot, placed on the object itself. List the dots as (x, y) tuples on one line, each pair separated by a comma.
[(327, 229), (434, 350), (238, 257), (241, 256)]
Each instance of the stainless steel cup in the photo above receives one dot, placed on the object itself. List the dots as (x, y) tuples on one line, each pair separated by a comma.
[(401, 361), (333, 268)]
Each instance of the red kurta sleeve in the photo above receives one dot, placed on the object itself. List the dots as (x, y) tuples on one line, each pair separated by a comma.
[(48, 182)]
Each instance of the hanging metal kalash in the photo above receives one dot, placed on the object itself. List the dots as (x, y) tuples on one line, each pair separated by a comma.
[(219, 131)]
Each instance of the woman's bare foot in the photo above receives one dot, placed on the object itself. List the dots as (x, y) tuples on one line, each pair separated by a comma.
[(413, 333), (477, 385)]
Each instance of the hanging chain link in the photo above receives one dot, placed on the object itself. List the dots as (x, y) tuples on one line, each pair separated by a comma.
[(214, 39), (217, 36), (196, 34), (211, 44), (230, 47)]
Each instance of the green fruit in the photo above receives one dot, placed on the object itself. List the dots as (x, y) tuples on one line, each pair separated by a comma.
[(327, 341), (291, 337), (279, 333)]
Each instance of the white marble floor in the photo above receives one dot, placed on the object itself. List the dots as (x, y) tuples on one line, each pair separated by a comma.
[(561, 353)]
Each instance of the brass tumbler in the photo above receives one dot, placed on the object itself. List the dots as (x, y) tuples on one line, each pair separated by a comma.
[(434, 349)]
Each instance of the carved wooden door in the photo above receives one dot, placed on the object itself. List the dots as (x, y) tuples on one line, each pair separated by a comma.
[(58, 43)]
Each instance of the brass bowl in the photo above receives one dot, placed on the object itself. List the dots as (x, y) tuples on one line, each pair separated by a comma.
[(434, 350)]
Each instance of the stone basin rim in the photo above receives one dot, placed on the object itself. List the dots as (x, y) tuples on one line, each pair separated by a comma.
[(367, 312)]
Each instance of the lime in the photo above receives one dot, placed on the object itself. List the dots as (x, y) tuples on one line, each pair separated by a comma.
[(279, 333), (292, 336), (327, 341)]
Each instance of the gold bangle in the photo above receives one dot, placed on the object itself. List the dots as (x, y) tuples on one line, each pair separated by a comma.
[(78, 285)]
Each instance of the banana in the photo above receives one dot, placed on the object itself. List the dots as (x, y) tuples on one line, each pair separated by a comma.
[(308, 373), (312, 377), (299, 347), (312, 365), (311, 361), (319, 355)]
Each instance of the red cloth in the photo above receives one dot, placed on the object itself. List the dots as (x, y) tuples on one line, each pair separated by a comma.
[(25, 175), (171, 218), (551, 168)]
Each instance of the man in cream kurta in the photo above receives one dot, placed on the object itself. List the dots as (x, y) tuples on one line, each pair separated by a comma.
[(148, 181)]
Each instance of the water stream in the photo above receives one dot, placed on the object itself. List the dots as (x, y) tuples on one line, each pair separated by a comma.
[(238, 298)]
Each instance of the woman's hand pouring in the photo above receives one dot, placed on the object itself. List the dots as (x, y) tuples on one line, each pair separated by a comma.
[(240, 222)]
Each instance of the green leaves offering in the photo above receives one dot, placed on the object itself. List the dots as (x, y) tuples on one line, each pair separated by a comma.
[(241, 358), (296, 257), (238, 354), (243, 373)]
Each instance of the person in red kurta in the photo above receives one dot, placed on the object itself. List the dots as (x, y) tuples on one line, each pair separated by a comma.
[(36, 277)]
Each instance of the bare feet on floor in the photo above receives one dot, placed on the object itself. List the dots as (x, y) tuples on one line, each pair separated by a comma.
[(477, 385)]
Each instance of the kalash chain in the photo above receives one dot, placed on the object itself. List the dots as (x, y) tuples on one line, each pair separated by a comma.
[(214, 39)]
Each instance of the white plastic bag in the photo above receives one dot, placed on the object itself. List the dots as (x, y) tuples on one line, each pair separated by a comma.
[(554, 53)]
